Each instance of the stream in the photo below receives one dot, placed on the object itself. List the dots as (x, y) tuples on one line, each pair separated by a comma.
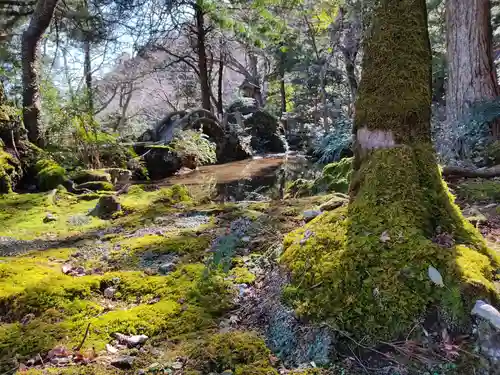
[(260, 178)]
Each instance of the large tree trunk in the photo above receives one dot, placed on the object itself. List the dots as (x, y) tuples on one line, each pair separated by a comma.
[(40, 21), (87, 71), (364, 268), (471, 73), (202, 56)]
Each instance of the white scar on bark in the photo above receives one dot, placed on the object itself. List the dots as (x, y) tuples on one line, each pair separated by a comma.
[(374, 139)]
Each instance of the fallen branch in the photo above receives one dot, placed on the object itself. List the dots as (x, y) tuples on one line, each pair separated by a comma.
[(472, 173)]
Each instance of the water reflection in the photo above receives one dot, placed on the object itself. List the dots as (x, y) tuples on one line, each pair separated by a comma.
[(253, 179)]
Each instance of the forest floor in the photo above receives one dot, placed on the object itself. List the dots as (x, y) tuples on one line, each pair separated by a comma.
[(171, 285)]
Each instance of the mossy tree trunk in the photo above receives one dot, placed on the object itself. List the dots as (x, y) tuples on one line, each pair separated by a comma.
[(40, 21), (365, 268)]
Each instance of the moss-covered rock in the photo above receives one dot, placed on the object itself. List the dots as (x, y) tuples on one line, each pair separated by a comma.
[(89, 175), (335, 177), (364, 268), (49, 174), (96, 186), (10, 172)]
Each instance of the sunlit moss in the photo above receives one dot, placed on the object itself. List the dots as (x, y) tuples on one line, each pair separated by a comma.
[(364, 268)]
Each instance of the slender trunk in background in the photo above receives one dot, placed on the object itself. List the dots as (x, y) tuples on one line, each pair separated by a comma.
[(87, 71), (220, 104), (471, 73), (281, 78), (202, 55), (254, 72), (40, 21)]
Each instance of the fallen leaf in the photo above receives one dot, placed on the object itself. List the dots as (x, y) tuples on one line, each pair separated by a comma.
[(435, 276)]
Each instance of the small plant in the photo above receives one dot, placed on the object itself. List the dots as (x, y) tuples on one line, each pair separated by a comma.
[(335, 145)]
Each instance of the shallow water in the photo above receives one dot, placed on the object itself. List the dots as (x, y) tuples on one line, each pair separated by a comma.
[(260, 178)]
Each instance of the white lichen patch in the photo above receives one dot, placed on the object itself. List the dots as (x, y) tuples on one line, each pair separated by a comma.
[(375, 139)]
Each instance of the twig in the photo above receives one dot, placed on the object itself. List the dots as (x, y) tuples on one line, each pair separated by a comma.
[(84, 338), (358, 360)]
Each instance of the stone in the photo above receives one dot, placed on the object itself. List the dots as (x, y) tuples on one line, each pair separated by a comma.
[(49, 218), (111, 349), (66, 268), (332, 204), (131, 341), (166, 268), (110, 292), (227, 372), (487, 312), (177, 365), (123, 363), (310, 214), (106, 207)]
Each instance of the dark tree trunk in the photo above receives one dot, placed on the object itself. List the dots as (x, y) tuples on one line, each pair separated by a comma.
[(87, 71), (220, 104), (471, 73), (202, 56), (40, 21), (281, 72), (366, 267)]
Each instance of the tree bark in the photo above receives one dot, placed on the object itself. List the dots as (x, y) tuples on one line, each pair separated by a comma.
[(87, 71), (40, 21), (471, 73), (220, 104), (366, 268), (202, 55)]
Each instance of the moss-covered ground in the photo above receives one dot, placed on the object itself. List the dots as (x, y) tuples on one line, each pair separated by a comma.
[(54, 274), (157, 257)]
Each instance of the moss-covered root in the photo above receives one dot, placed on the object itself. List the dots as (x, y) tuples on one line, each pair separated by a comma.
[(365, 268)]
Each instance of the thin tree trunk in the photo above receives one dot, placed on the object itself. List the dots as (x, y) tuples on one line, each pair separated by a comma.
[(471, 73), (87, 71), (202, 56), (40, 21), (220, 104)]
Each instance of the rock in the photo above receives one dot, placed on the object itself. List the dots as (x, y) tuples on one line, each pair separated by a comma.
[(227, 372), (106, 207), (49, 218), (487, 312), (332, 204), (176, 365), (66, 268), (310, 214), (131, 341), (110, 292), (166, 268), (111, 349), (123, 363), (27, 318), (488, 331)]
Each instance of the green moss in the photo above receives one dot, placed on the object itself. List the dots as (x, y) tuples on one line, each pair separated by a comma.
[(245, 353), (22, 215), (241, 275), (49, 174), (9, 172), (479, 190), (394, 94), (96, 186), (81, 177), (335, 177), (190, 299), (364, 268)]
